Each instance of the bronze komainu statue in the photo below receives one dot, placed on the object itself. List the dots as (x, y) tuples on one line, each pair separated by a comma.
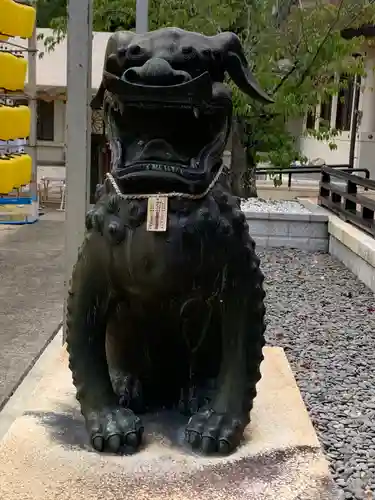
[(165, 308)]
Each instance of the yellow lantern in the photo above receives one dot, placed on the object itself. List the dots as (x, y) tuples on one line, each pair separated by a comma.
[(14, 122), (16, 19), (12, 71), (16, 177), (22, 121), (6, 174), (5, 120), (24, 172), (17, 171)]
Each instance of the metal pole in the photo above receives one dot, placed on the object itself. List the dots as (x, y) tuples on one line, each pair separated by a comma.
[(354, 121), (78, 129), (32, 95), (141, 16)]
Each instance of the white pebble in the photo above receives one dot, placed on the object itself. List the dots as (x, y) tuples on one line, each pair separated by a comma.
[(279, 206)]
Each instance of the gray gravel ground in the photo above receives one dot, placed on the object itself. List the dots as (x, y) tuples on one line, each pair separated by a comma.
[(324, 317)]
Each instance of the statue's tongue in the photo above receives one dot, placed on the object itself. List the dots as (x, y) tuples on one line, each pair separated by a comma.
[(159, 149)]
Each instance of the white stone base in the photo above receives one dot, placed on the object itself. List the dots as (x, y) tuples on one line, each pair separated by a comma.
[(45, 454)]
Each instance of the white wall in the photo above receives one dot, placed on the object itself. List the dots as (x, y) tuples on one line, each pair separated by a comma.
[(367, 100), (365, 145), (365, 137), (312, 148), (51, 151)]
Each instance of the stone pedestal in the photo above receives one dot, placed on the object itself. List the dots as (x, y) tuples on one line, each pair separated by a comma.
[(45, 454)]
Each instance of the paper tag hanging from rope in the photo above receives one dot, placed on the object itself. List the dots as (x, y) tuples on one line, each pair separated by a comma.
[(157, 213)]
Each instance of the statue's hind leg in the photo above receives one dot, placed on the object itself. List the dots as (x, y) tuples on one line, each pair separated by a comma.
[(109, 426), (220, 426)]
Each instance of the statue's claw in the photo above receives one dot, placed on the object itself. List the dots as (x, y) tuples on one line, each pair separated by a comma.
[(129, 390), (113, 428), (210, 432)]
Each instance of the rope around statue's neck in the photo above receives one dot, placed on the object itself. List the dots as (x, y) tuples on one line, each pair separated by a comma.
[(173, 194)]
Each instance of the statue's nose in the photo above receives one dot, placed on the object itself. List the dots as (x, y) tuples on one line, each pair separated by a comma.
[(156, 71)]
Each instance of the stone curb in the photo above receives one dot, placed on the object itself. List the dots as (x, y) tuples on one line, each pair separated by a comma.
[(312, 217), (16, 404), (304, 231)]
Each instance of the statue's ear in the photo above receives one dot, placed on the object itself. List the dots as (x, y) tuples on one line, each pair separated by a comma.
[(237, 67)]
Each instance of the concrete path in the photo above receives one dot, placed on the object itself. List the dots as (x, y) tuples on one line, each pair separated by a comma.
[(45, 453), (31, 295)]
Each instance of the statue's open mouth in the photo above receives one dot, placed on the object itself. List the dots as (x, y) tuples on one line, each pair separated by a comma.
[(167, 110), (179, 90), (170, 137)]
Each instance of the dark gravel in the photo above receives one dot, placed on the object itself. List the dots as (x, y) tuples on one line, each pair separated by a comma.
[(324, 318)]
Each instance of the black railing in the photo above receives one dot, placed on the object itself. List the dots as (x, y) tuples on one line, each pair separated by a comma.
[(296, 170), (344, 199)]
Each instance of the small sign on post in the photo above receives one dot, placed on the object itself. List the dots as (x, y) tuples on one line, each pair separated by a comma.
[(157, 213)]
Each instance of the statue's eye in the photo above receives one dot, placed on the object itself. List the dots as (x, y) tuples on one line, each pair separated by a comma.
[(216, 54), (135, 51), (187, 50), (188, 53)]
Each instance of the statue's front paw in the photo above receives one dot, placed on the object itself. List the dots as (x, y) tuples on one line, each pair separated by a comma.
[(211, 432), (112, 428)]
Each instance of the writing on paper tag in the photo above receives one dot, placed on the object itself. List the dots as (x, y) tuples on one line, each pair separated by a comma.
[(157, 213)]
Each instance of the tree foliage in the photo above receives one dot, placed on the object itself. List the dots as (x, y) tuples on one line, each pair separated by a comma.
[(295, 51), (298, 61)]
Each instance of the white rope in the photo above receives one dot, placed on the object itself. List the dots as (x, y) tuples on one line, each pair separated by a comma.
[(173, 194)]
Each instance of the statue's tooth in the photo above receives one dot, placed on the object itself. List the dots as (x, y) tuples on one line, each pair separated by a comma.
[(196, 112)]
